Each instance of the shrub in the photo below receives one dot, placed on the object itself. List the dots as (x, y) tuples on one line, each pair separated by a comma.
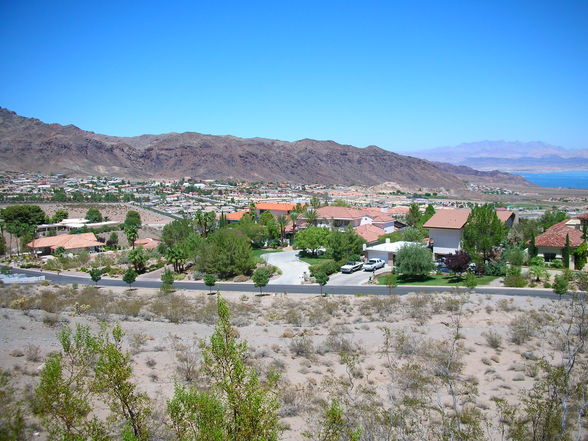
[(327, 267), (514, 278), (302, 346), (521, 329), (493, 339), (556, 263)]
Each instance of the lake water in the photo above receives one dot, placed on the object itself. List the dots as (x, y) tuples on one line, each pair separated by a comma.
[(565, 179)]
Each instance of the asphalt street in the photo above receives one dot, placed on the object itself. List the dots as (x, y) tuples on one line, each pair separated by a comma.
[(291, 288)]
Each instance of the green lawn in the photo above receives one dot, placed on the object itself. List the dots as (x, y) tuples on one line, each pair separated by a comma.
[(314, 260), (257, 252), (444, 280)]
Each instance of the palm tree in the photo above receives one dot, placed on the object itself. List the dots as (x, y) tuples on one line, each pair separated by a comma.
[(282, 222), (311, 216), (294, 218)]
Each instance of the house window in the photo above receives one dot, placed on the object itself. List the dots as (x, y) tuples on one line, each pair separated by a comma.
[(548, 257)]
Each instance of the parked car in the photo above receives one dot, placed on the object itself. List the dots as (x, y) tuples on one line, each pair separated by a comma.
[(351, 267), (374, 264)]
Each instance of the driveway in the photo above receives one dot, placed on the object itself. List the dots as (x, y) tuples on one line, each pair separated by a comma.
[(357, 278), (292, 267)]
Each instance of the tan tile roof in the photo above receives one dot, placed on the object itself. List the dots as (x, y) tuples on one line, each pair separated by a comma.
[(66, 241), (370, 233), (456, 218), (555, 236)]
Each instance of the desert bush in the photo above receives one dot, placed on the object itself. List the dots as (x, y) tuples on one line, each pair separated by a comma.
[(382, 306), (187, 359), (33, 353), (292, 315), (521, 329), (418, 308), (493, 339), (128, 307), (137, 341), (404, 343), (302, 347), (175, 308), (339, 344)]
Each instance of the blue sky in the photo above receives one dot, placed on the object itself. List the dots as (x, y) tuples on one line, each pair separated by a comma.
[(401, 75)]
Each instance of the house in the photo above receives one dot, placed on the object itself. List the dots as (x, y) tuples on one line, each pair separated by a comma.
[(275, 208), (446, 228), (236, 216), (69, 242), (551, 243), (370, 233), (386, 251), (342, 217)]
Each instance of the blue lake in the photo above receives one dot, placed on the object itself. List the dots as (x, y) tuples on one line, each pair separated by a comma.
[(565, 179)]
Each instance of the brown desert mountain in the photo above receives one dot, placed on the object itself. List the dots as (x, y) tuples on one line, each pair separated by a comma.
[(27, 144)]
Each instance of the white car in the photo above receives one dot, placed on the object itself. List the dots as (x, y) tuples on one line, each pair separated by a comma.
[(374, 264), (351, 267)]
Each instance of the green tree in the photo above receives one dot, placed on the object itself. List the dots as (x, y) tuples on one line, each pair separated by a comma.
[(282, 222), (391, 282), (414, 234), (133, 219), (261, 277), (532, 249), (344, 245), (177, 258), (311, 216), (176, 231), (429, 212), (237, 406), (167, 281), (132, 235), (113, 380), (483, 232), (93, 215), (130, 276), (112, 240), (59, 215), (340, 203), (95, 275), (312, 239), (3, 248), (227, 252), (321, 278), (210, 281), (560, 285), (470, 281), (63, 397), (138, 258), (23, 214), (581, 256), (538, 272), (413, 217), (315, 202), (414, 260), (565, 253)]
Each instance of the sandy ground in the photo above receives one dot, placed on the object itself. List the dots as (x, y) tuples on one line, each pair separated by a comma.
[(271, 325)]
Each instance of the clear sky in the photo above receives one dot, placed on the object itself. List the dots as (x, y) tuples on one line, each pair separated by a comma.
[(398, 74)]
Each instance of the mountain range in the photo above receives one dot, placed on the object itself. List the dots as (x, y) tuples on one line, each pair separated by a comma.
[(30, 145), (509, 156)]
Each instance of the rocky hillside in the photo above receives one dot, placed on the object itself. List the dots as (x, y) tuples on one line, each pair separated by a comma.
[(27, 144)]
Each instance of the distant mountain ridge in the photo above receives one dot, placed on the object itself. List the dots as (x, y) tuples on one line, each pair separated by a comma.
[(27, 144), (509, 156)]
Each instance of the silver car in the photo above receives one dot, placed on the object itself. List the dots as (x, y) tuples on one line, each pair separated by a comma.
[(374, 264)]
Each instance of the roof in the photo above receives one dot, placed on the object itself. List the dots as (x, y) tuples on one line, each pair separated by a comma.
[(274, 206), (392, 247), (583, 216), (147, 243), (555, 236), (237, 215), (456, 218), (66, 241), (331, 212), (453, 219), (370, 233), (398, 210)]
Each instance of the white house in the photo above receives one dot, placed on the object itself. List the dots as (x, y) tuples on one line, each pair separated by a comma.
[(386, 251), (446, 228)]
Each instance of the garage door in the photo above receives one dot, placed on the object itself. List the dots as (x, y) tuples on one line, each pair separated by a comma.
[(378, 255)]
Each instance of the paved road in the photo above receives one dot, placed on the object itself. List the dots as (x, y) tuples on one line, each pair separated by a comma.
[(292, 267), (356, 278), (291, 289)]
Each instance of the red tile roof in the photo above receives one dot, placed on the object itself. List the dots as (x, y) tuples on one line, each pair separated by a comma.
[(370, 233), (555, 236), (66, 241), (275, 206), (237, 215)]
